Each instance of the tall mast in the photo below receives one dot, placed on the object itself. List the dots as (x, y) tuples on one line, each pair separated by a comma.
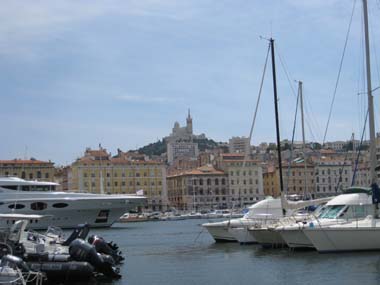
[(372, 148), (277, 120), (303, 136)]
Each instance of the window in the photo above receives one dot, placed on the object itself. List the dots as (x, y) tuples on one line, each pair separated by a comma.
[(39, 174), (30, 175), (16, 206), (60, 205), (216, 181), (38, 206), (23, 175)]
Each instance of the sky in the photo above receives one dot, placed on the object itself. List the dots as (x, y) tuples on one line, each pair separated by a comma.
[(77, 73)]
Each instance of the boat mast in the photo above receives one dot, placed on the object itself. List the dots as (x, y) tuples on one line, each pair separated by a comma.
[(271, 40), (372, 148), (303, 136)]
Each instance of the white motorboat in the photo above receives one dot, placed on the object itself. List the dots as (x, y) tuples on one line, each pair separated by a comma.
[(335, 211), (67, 209), (264, 211), (358, 233)]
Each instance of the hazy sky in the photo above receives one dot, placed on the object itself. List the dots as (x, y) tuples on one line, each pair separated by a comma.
[(77, 73)]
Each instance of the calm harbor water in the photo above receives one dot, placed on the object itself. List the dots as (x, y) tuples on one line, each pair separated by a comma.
[(180, 252)]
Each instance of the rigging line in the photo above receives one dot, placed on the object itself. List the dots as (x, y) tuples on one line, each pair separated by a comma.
[(339, 72), (288, 76), (292, 144), (359, 150), (259, 96), (310, 117), (283, 65)]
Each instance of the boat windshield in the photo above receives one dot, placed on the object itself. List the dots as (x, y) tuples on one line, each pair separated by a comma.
[(331, 212)]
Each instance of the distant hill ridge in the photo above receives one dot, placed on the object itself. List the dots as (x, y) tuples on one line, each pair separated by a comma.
[(159, 147)]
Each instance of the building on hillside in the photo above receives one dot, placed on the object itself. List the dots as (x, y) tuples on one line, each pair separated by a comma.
[(245, 179), (198, 189), (336, 145), (183, 133), (30, 169), (271, 181), (331, 176), (98, 172), (239, 145), (177, 150)]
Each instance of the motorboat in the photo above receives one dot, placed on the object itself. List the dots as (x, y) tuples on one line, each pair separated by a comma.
[(264, 211), (67, 209), (353, 227), (72, 258), (267, 234), (335, 211)]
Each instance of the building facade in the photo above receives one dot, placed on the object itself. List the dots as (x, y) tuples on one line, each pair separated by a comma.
[(198, 189), (239, 145), (30, 169), (245, 179), (271, 181), (331, 176), (99, 172), (297, 179)]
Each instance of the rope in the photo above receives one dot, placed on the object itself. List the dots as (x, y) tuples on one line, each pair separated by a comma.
[(257, 102), (357, 157), (339, 72)]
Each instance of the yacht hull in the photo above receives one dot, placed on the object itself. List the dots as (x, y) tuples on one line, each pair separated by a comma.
[(344, 239), (220, 233), (242, 235), (295, 238), (267, 237), (71, 211)]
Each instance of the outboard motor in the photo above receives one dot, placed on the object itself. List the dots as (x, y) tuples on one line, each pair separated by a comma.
[(81, 232), (16, 261), (80, 250), (110, 248)]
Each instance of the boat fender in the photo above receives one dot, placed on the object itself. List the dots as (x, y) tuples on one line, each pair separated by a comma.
[(17, 261)]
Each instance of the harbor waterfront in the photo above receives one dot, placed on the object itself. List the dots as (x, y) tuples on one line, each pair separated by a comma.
[(182, 252)]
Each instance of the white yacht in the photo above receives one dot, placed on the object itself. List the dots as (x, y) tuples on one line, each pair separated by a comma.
[(264, 211), (341, 209), (357, 234), (67, 209)]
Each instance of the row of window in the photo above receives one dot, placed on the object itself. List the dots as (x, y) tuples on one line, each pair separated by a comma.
[(30, 176), (116, 184), (244, 181), (208, 181), (137, 174), (244, 173), (37, 206)]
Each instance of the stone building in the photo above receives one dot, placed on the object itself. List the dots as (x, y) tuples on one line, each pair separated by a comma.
[(30, 169), (296, 180), (200, 188), (271, 181), (98, 172), (331, 176), (245, 179)]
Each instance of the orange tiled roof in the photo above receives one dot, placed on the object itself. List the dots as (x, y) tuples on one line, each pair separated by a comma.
[(203, 170), (24, 161)]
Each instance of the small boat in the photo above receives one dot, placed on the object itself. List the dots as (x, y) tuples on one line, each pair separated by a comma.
[(132, 218)]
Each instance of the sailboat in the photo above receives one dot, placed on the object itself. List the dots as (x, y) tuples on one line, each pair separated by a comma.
[(360, 233), (264, 233)]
